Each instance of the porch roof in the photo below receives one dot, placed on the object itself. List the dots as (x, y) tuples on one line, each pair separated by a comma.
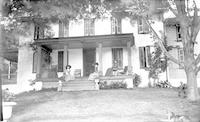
[(113, 40), (10, 54)]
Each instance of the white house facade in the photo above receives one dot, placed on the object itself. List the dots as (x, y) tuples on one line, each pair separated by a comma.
[(82, 43)]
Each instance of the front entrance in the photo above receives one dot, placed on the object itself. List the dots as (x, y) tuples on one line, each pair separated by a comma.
[(89, 59)]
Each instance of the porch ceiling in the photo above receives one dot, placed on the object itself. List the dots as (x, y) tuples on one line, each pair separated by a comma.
[(114, 40)]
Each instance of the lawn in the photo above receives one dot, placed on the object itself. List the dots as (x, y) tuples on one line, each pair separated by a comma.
[(135, 105)]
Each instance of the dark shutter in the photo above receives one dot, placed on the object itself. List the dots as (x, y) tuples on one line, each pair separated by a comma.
[(142, 57), (60, 61), (35, 58)]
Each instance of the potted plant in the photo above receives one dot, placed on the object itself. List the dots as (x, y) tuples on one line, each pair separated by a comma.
[(8, 103)]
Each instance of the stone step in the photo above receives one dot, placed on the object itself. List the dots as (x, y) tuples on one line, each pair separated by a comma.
[(78, 85)]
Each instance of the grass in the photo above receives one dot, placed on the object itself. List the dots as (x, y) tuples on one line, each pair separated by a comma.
[(135, 105)]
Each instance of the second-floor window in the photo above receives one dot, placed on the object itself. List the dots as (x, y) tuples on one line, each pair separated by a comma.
[(38, 32), (143, 27), (144, 53), (178, 33), (115, 25), (89, 27), (64, 29)]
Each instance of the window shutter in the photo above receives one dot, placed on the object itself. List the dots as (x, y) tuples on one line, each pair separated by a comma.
[(66, 29), (119, 26), (36, 32), (35, 58), (180, 56), (145, 27), (142, 57), (92, 27), (178, 33), (112, 25), (147, 54), (60, 61)]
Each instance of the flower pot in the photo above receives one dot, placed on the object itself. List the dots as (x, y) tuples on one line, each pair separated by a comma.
[(7, 110)]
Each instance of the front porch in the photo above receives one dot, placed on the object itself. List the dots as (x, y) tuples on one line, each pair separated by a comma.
[(82, 53)]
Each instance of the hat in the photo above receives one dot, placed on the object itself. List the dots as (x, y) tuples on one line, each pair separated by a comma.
[(68, 67)]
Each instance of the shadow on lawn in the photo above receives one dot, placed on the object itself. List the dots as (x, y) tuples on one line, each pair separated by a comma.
[(28, 99)]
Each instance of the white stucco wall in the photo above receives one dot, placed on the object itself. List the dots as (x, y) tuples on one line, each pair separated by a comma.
[(75, 59)]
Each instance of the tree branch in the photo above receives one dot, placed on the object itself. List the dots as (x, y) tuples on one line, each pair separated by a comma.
[(197, 60), (195, 24), (173, 10), (197, 69), (160, 43)]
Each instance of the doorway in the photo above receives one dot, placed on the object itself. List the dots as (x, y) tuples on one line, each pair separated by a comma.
[(89, 59)]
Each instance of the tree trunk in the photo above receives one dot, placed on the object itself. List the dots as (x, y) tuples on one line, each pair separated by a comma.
[(192, 89)]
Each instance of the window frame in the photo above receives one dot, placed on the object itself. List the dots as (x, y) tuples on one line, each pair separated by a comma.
[(89, 27), (144, 53), (119, 52), (116, 25), (143, 27)]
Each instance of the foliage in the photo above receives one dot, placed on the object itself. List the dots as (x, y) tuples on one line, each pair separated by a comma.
[(157, 63), (7, 95), (113, 85), (136, 80), (163, 84)]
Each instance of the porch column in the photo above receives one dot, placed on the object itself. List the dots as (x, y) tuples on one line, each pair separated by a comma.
[(65, 57), (129, 57), (39, 55), (100, 59), (9, 70)]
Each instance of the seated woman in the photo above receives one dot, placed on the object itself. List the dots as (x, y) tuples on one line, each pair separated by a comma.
[(95, 74), (66, 77)]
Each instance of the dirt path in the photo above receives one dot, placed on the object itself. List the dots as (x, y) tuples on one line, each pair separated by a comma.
[(137, 105)]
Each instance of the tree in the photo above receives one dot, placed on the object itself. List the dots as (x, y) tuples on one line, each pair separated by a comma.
[(186, 13)]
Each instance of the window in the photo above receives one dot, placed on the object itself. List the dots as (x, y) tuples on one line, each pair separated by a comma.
[(117, 57), (180, 56), (60, 61), (63, 29), (89, 27), (38, 32), (143, 28), (178, 33), (144, 53), (35, 58), (115, 26)]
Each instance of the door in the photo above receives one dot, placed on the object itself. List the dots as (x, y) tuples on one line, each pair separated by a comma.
[(89, 59)]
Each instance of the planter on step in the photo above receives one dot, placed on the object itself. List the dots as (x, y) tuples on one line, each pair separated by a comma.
[(7, 110)]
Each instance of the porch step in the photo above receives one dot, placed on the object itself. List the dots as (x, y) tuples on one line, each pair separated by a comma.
[(78, 85)]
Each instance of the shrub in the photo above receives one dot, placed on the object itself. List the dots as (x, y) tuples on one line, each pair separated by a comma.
[(136, 80), (7, 95), (113, 85)]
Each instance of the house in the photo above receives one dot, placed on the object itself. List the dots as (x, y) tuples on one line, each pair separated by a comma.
[(84, 42)]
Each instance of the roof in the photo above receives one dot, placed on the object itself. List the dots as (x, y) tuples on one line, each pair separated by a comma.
[(112, 40)]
